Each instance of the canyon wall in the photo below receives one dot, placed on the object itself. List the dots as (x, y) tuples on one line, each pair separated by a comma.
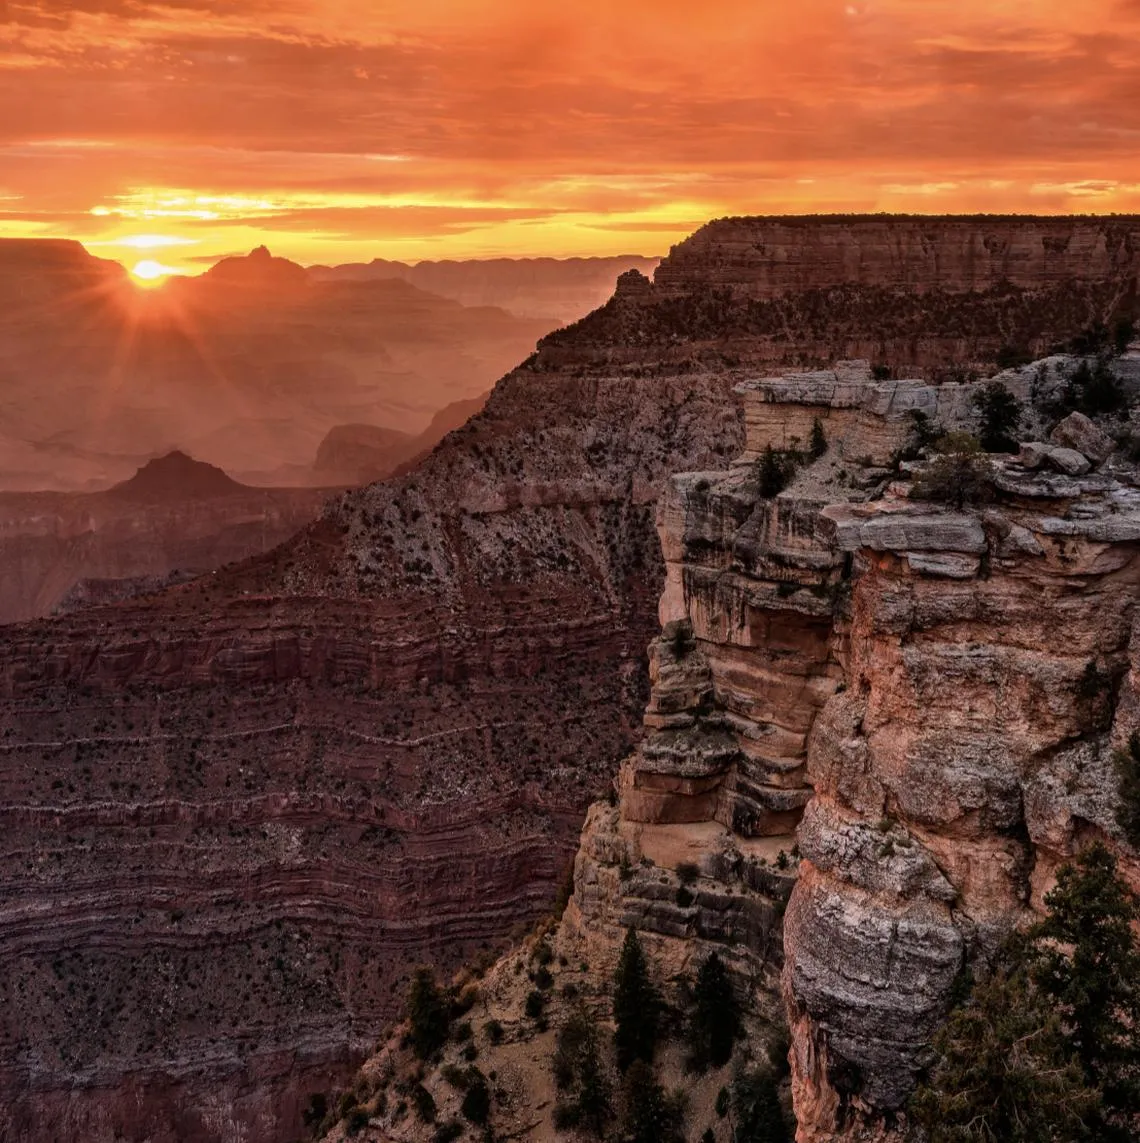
[(235, 814), (908, 683)]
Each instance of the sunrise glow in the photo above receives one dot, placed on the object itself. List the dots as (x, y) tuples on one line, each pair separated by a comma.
[(353, 129), (151, 273)]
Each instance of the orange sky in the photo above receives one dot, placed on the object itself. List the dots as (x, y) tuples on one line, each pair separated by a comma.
[(338, 130)]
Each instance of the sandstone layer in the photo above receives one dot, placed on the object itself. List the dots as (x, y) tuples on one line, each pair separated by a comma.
[(236, 813)]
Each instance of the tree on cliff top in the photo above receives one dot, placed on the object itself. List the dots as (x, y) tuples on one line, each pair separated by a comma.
[(1001, 415), (1047, 1047), (636, 1005), (958, 476)]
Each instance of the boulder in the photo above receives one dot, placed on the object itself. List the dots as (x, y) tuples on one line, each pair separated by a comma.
[(1069, 461), (1033, 454), (1077, 432)]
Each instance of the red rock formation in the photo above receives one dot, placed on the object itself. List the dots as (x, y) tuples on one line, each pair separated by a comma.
[(235, 814)]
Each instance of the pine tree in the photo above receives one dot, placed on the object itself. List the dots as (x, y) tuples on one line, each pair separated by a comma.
[(1087, 967), (1004, 1073), (585, 1093), (772, 472), (649, 1114), (636, 1005), (818, 445), (1001, 414), (427, 1014), (1047, 1048), (756, 1105), (715, 1023)]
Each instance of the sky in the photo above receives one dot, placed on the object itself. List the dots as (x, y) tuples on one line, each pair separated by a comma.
[(177, 131)]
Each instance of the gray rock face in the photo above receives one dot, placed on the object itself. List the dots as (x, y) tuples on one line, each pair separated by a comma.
[(874, 976), (1077, 432)]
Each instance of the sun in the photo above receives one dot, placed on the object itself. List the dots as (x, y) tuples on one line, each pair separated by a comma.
[(150, 273)]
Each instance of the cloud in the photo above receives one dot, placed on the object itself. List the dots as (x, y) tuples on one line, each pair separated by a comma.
[(497, 122)]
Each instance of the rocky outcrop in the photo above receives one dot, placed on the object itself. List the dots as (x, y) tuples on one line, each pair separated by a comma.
[(932, 690), (936, 297), (769, 257), (260, 797)]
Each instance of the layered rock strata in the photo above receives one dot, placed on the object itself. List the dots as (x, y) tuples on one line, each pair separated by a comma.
[(935, 296), (937, 692), (233, 815)]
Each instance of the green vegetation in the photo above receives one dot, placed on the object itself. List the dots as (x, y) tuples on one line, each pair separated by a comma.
[(1092, 390), (1001, 415), (584, 1098), (958, 476), (476, 1106), (1047, 1048), (427, 1014), (1128, 773), (424, 1104), (818, 443), (756, 1105), (649, 1114), (773, 472), (636, 1005), (714, 1026)]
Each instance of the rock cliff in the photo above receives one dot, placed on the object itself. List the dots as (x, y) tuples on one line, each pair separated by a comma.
[(906, 711), (236, 813), (935, 297)]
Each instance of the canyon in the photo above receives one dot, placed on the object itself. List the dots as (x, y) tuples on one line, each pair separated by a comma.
[(174, 519), (247, 366), (238, 812)]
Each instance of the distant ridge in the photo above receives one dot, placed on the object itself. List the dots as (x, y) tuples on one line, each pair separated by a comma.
[(177, 475)]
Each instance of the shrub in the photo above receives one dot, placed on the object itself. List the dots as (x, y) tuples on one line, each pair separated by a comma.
[(462, 1032), (960, 475), (448, 1132), (493, 1031), (773, 472), (722, 1102), (684, 897), (424, 1104), (688, 872), (535, 1004), (427, 1014), (881, 372), (818, 444), (543, 978), (455, 1076), (476, 1106), (1092, 390), (1128, 774), (356, 1122)]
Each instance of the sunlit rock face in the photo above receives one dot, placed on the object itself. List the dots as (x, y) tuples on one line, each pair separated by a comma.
[(236, 813), (892, 693)]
